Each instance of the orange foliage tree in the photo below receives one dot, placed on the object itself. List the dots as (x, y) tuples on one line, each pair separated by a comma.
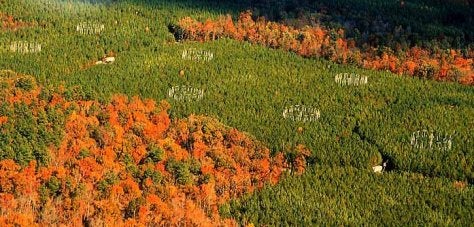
[(125, 162), (8, 22), (442, 65)]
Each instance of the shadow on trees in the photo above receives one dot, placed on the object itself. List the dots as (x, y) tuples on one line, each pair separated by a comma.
[(450, 24), (440, 23)]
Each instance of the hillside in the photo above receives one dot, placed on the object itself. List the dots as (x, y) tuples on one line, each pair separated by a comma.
[(243, 113), (66, 159)]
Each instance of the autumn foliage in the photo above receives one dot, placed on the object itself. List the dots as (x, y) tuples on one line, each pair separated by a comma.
[(121, 163), (8, 22), (443, 65)]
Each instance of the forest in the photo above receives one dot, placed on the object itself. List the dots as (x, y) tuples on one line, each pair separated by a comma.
[(236, 113)]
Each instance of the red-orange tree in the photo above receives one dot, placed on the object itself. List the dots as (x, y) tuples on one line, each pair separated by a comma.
[(8, 22), (124, 162), (321, 42)]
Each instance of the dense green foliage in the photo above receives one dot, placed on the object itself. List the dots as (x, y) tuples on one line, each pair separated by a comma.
[(27, 134), (348, 196), (248, 87)]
